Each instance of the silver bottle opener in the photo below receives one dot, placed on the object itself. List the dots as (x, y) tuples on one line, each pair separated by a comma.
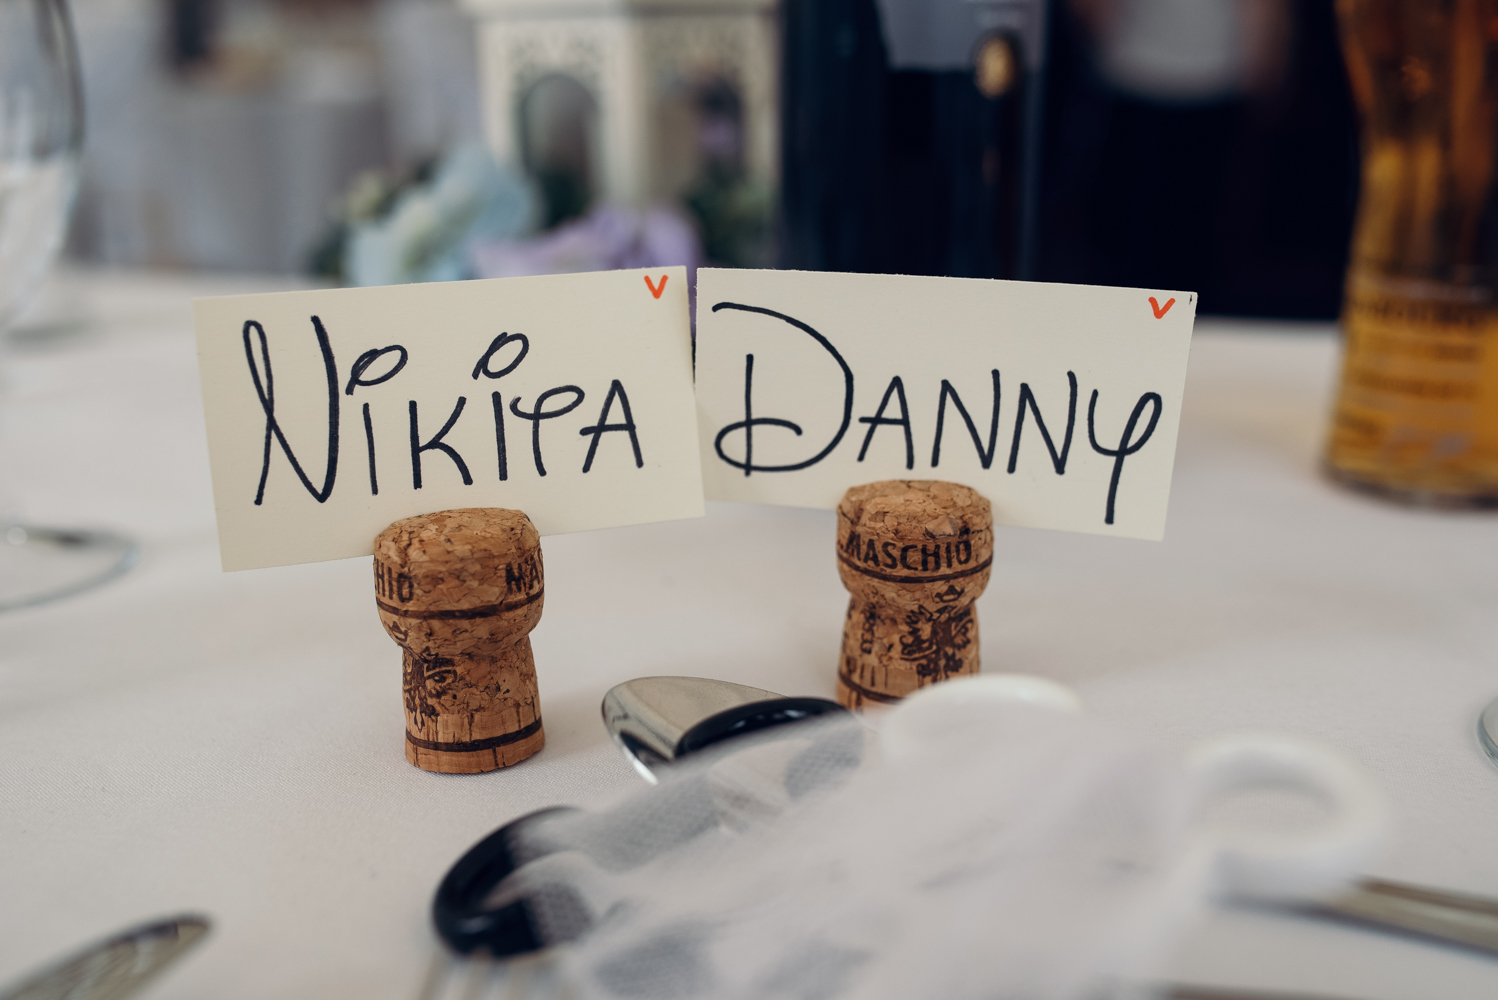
[(655, 720)]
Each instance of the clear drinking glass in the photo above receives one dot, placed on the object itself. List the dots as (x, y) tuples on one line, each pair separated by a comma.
[(41, 139)]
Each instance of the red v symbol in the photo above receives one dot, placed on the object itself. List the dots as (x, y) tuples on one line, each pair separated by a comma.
[(657, 289), (1160, 310)]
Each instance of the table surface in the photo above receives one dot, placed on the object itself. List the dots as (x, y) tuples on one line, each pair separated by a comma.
[(188, 740)]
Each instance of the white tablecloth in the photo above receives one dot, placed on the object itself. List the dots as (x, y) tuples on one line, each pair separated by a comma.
[(183, 739)]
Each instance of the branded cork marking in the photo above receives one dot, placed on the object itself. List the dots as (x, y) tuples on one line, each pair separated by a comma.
[(895, 578), (864, 555), (934, 641), (520, 577)]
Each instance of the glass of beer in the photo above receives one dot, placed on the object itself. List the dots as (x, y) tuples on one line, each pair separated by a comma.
[(1417, 412)]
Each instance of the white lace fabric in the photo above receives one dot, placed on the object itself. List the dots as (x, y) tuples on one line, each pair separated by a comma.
[(1013, 852)]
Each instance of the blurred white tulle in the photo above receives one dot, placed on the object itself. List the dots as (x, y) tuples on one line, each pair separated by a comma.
[(1013, 850)]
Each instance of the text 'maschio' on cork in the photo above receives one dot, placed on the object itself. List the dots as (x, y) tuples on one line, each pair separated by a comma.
[(333, 413), (1058, 403)]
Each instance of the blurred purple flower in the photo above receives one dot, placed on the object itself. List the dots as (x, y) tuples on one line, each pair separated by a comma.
[(609, 238)]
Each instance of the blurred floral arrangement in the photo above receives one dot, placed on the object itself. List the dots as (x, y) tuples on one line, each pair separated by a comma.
[(606, 239), (418, 227), (733, 214), (465, 216)]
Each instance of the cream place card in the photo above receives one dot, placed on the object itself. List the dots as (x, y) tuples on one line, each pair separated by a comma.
[(1059, 403), (333, 413)]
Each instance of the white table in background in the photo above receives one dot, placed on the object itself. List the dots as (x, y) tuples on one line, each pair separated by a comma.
[(183, 739)]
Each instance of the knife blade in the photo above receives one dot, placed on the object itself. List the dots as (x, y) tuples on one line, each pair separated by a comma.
[(1449, 917), (115, 968), (1226, 993)]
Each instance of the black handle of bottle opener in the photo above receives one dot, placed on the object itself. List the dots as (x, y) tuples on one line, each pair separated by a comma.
[(744, 719), (458, 909)]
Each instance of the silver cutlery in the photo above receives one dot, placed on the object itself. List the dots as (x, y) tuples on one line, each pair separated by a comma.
[(115, 968), (656, 720), (1447, 917), (1223, 993)]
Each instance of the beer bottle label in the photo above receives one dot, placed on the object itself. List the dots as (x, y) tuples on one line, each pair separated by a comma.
[(1419, 385)]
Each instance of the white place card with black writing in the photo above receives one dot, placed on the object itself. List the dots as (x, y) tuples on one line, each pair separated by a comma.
[(332, 413), (1059, 403)]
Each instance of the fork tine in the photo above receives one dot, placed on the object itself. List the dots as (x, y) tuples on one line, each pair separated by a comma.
[(519, 975), (438, 970), (562, 986), (481, 970), (479, 976)]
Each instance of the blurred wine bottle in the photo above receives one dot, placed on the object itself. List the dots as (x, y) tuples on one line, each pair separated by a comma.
[(1417, 412), (911, 135)]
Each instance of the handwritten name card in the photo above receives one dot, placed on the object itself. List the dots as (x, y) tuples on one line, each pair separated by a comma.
[(1059, 403), (333, 413)]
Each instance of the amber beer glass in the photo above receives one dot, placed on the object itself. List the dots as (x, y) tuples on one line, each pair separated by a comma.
[(1417, 412)]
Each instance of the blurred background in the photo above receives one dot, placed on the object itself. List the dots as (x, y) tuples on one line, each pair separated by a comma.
[(1205, 145)]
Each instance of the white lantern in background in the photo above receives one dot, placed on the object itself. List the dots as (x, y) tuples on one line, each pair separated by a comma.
[(639, 98)]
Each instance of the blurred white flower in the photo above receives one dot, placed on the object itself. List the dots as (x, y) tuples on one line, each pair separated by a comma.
[(426, 233)]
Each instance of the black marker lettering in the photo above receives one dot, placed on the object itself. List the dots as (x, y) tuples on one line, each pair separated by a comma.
[(356, 374), (871, 555), (435, 444), (932, 558), (984, 456), (905, 551), (499, 436), (896, 387), (266, 390), (964, 551), (889, 555), (601, 428), (750, 421), (1126, 446), (539, 414), (749, 417), (495, 346), (1026, 397), (374, 484)]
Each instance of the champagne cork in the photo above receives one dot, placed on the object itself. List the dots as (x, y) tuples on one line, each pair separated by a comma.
[(459, 591), (914, 554)]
